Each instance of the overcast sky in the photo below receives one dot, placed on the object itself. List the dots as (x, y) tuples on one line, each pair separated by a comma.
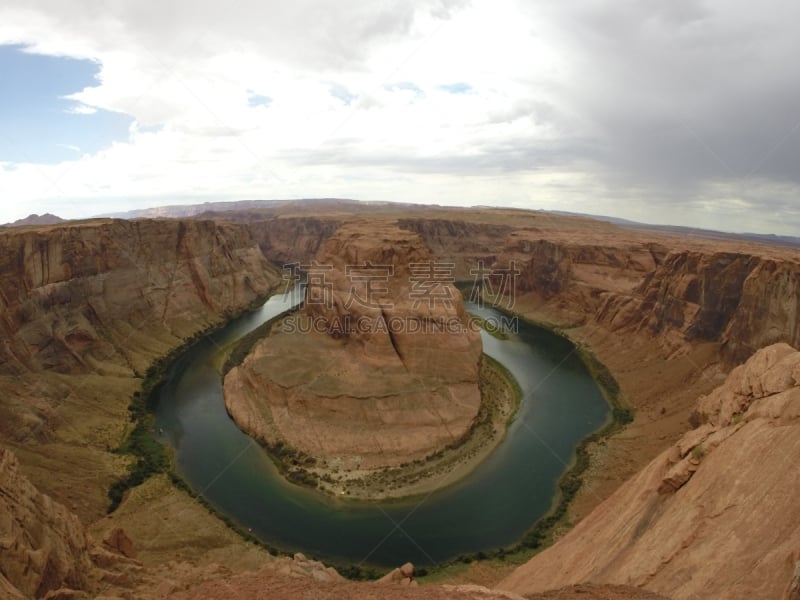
[(660, 111)]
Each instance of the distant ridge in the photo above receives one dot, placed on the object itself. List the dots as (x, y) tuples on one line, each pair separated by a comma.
[(766, 238), (34, 219), (176, 211), (217, 209)]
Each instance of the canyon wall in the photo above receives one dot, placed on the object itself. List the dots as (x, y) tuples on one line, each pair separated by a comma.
[(463, 243), (680, 291), (85, 308), (741, 300), (75, 298), (290, 239), (395, 391), (715, 515)]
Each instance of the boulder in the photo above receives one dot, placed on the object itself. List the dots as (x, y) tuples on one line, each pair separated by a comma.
[(117, 541)]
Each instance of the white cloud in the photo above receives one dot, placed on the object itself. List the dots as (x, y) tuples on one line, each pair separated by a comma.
[(617, 109), (81, 109)]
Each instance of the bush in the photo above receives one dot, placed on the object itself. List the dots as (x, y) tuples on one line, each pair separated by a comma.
[(623, 415), (698, 452)]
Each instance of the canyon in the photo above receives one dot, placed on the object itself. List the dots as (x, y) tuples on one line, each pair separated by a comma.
[(85, 309), (698, 332)]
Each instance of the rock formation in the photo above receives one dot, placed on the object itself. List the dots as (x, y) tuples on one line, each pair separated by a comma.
[(43, 547), (460, 242), (45, 553), (85, 308), (741, 300), (73, 298), (715, 515), (398, 389), (402, 575), (292, 239), (34, 219)]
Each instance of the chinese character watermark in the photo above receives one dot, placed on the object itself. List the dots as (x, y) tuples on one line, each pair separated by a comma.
[(431, 282), (318, 289), (367, 285), (495, 285)]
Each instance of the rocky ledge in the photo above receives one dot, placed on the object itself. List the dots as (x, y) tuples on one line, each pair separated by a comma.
[(722, 499)]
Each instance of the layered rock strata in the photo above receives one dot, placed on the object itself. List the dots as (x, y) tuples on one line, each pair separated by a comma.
[(75, 298), (43, 547), (389, 371), (715, 515), (85, 308)]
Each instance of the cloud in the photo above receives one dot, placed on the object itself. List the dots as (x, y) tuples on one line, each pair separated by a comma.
[(686, 91), (81, 109), (628, 108)]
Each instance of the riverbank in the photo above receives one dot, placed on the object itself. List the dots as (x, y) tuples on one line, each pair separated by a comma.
[(148, 456), (491, 376), (500, 398), (649, 399)]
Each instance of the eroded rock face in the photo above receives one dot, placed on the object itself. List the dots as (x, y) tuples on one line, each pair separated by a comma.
[(73, 297), (292, 239), (86, 306), (744, 301), (768, 311), (716, 515), (580, 270), (741, 300), (460, 242), (43, 546), (366, 397)]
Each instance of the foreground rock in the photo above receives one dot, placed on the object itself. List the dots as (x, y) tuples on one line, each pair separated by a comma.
[(46, 553), (43, 547), (403, 575), (395, 391), (715, 516), (266, 583)]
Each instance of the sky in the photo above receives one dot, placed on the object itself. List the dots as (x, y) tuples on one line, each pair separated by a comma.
[(679, 112)]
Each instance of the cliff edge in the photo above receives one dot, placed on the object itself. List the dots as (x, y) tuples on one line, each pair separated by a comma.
[(715, 515), (43, 547)]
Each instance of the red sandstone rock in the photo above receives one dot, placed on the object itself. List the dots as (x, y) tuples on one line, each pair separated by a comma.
[(736, 513), (43, 547), (365, 398)]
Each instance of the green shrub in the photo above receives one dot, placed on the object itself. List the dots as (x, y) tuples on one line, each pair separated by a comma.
[(698, 452), (623, 415)]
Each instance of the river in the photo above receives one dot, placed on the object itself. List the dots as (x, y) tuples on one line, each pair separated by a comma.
[(492, 507)]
